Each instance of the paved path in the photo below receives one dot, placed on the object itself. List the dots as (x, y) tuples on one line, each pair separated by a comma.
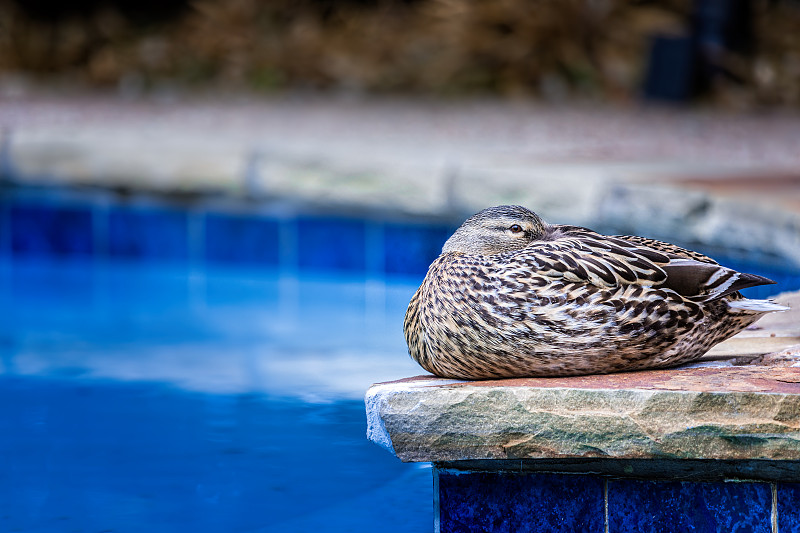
[(690, 175)]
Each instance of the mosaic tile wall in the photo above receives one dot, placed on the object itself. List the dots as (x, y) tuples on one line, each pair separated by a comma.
[(513, 502), (47, 226)]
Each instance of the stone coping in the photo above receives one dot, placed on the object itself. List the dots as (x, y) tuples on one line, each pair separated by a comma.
[(728, 413)]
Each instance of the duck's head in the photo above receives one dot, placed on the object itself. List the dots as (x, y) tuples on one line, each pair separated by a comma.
[(495, 230)]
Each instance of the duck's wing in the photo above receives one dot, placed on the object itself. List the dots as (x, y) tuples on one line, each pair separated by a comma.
[(696, 275), (672, 250), (578, 254)]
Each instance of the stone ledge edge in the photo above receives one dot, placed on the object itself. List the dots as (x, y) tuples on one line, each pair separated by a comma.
[(430, 420)]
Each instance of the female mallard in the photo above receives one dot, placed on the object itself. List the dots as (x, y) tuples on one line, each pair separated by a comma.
[(512, 296)]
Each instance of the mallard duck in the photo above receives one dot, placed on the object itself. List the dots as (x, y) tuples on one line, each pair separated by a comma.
[(513, 296)]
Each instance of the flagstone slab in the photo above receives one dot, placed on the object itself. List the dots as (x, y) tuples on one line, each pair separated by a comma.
[(723, 413)]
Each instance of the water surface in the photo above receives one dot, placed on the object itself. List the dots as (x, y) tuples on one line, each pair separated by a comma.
[(142, 398)]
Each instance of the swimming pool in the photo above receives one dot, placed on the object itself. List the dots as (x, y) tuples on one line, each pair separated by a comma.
[(190, 368), (143, 399), (175, 368)]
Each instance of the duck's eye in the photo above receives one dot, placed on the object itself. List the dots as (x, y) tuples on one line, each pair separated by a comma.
[(515, 228)]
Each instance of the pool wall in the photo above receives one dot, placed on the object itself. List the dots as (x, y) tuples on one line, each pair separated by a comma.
[(69, 225)]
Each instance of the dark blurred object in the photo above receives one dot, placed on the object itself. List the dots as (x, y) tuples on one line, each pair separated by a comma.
[(672, 69), (717, 42), (538, 48), (723, 32), (724, 24)]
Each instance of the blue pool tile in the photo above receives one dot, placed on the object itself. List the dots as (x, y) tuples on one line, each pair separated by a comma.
[(329, 243), (5, 233), (410, 249), (668, 507), (242, 240), (789, 507), (502, 502), (148, 233), (51, 230)]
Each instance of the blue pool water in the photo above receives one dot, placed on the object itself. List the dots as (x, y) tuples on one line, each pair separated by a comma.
[(195, 368), (135, 398)]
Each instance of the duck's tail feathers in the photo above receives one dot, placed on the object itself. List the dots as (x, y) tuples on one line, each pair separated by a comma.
[(755, 306)]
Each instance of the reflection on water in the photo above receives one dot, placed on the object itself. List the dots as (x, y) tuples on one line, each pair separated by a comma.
[(220, 331), (136, 399)]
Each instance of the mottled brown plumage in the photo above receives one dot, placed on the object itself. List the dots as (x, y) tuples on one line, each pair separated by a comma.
[(512, 296)]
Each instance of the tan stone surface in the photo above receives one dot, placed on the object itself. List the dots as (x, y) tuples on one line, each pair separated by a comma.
[(703, 413)]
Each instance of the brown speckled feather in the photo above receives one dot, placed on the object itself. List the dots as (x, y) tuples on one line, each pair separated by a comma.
[(669, 249), (512, 296)]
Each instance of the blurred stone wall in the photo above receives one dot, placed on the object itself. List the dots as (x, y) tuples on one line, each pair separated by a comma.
[(553, 49)]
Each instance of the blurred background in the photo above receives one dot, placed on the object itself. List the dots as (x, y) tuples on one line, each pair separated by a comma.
[(729, 52), (213, 214)]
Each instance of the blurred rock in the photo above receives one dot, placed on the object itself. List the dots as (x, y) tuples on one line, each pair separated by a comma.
[(680, 214)]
